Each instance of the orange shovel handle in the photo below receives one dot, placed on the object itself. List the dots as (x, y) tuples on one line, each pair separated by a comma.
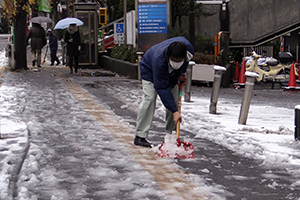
[(178, 129)]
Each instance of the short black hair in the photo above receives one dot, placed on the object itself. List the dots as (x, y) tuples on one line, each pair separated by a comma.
[(176, 50)]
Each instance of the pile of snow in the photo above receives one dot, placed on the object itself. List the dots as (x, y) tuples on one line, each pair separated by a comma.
[(172, 148)]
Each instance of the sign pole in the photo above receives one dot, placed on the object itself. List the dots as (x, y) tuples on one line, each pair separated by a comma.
[(125, 23), (192, 22), (119, 33)]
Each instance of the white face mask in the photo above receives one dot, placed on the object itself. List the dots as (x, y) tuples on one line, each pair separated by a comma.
[(175, 65)]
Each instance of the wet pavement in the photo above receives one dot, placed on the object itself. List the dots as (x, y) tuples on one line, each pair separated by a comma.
[(76, 143), (236, 177)]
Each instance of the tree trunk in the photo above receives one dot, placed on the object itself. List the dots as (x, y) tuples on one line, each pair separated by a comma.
[(20, 40), (179, 19), (192, 22), (54, 11)]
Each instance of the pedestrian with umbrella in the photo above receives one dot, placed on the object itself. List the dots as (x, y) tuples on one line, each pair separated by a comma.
[(41, 19), (72, 38), (38, 41), (53, 47)]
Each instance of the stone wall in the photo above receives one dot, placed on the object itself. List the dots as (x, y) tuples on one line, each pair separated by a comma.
[(121, 67), (250, 20)]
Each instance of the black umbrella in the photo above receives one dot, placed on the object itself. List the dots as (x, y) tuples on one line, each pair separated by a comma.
[(41, 19)]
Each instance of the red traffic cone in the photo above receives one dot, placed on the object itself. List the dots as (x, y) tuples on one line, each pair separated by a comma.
[(237, 71), (298, 70), (242, 79), (292, 78)]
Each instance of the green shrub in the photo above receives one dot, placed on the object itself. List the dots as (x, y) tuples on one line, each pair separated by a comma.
[(204, 48), (179, 32), (124, 52), (202, 58), (204, 44)]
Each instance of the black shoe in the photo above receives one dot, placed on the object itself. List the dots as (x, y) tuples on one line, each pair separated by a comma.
[(58, 62), (39, 66), (141, 142), (51, 64), (33, 63), (76, 71)]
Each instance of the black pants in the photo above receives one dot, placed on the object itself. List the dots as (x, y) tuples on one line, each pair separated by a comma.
[(71, 58), (53, 56)]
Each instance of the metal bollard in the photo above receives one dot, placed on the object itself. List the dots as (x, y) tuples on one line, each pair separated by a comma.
[(216, 88), (64, 54), (297, 122), (188, 84), (251, 76), (140, 56), (11, 58)]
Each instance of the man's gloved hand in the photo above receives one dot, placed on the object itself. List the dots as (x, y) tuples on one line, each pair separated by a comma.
[(177, 117), (182, 77), (71, 40)]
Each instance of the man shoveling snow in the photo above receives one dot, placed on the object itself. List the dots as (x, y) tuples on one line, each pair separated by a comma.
[(162, 66)]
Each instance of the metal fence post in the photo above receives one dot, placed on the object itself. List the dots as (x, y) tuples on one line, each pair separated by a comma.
[(188, 85), (251, 76), (64, 53), (11, 56), (297, 122), (216, 88), (140, 56)]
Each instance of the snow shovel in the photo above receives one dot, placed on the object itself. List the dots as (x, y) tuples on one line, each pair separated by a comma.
[(45, 56), (182, 150)]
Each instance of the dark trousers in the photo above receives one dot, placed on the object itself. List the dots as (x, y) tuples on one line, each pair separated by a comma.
[(53, 56), (71, 58)]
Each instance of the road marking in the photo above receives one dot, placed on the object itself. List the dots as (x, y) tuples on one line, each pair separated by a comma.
[(167, 175)]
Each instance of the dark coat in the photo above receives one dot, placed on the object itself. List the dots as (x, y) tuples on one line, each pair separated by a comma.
[(53, 42), (38, 36), (154, 67), (73, 42)]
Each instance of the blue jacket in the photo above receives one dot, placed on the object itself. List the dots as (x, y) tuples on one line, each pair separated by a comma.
[(154, 67)]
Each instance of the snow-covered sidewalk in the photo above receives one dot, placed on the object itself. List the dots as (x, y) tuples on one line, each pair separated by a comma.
[(27, 109), (268, 135)]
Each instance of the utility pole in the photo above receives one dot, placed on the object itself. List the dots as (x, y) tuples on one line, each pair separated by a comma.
[(20, 36), (125, 23), (192, 22)]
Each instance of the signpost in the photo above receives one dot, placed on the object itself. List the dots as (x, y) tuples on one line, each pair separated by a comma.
[(153, 20), (119, 33)]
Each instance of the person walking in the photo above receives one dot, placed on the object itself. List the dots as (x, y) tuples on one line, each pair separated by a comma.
[(72, 38), (38, 41), (162, 66), (53, 47)]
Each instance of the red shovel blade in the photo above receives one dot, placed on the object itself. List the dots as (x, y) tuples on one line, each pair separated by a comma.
[(188, 147), (184, 150)]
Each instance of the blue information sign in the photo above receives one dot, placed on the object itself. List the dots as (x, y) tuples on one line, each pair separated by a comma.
[(119, 28), (152, 18)]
